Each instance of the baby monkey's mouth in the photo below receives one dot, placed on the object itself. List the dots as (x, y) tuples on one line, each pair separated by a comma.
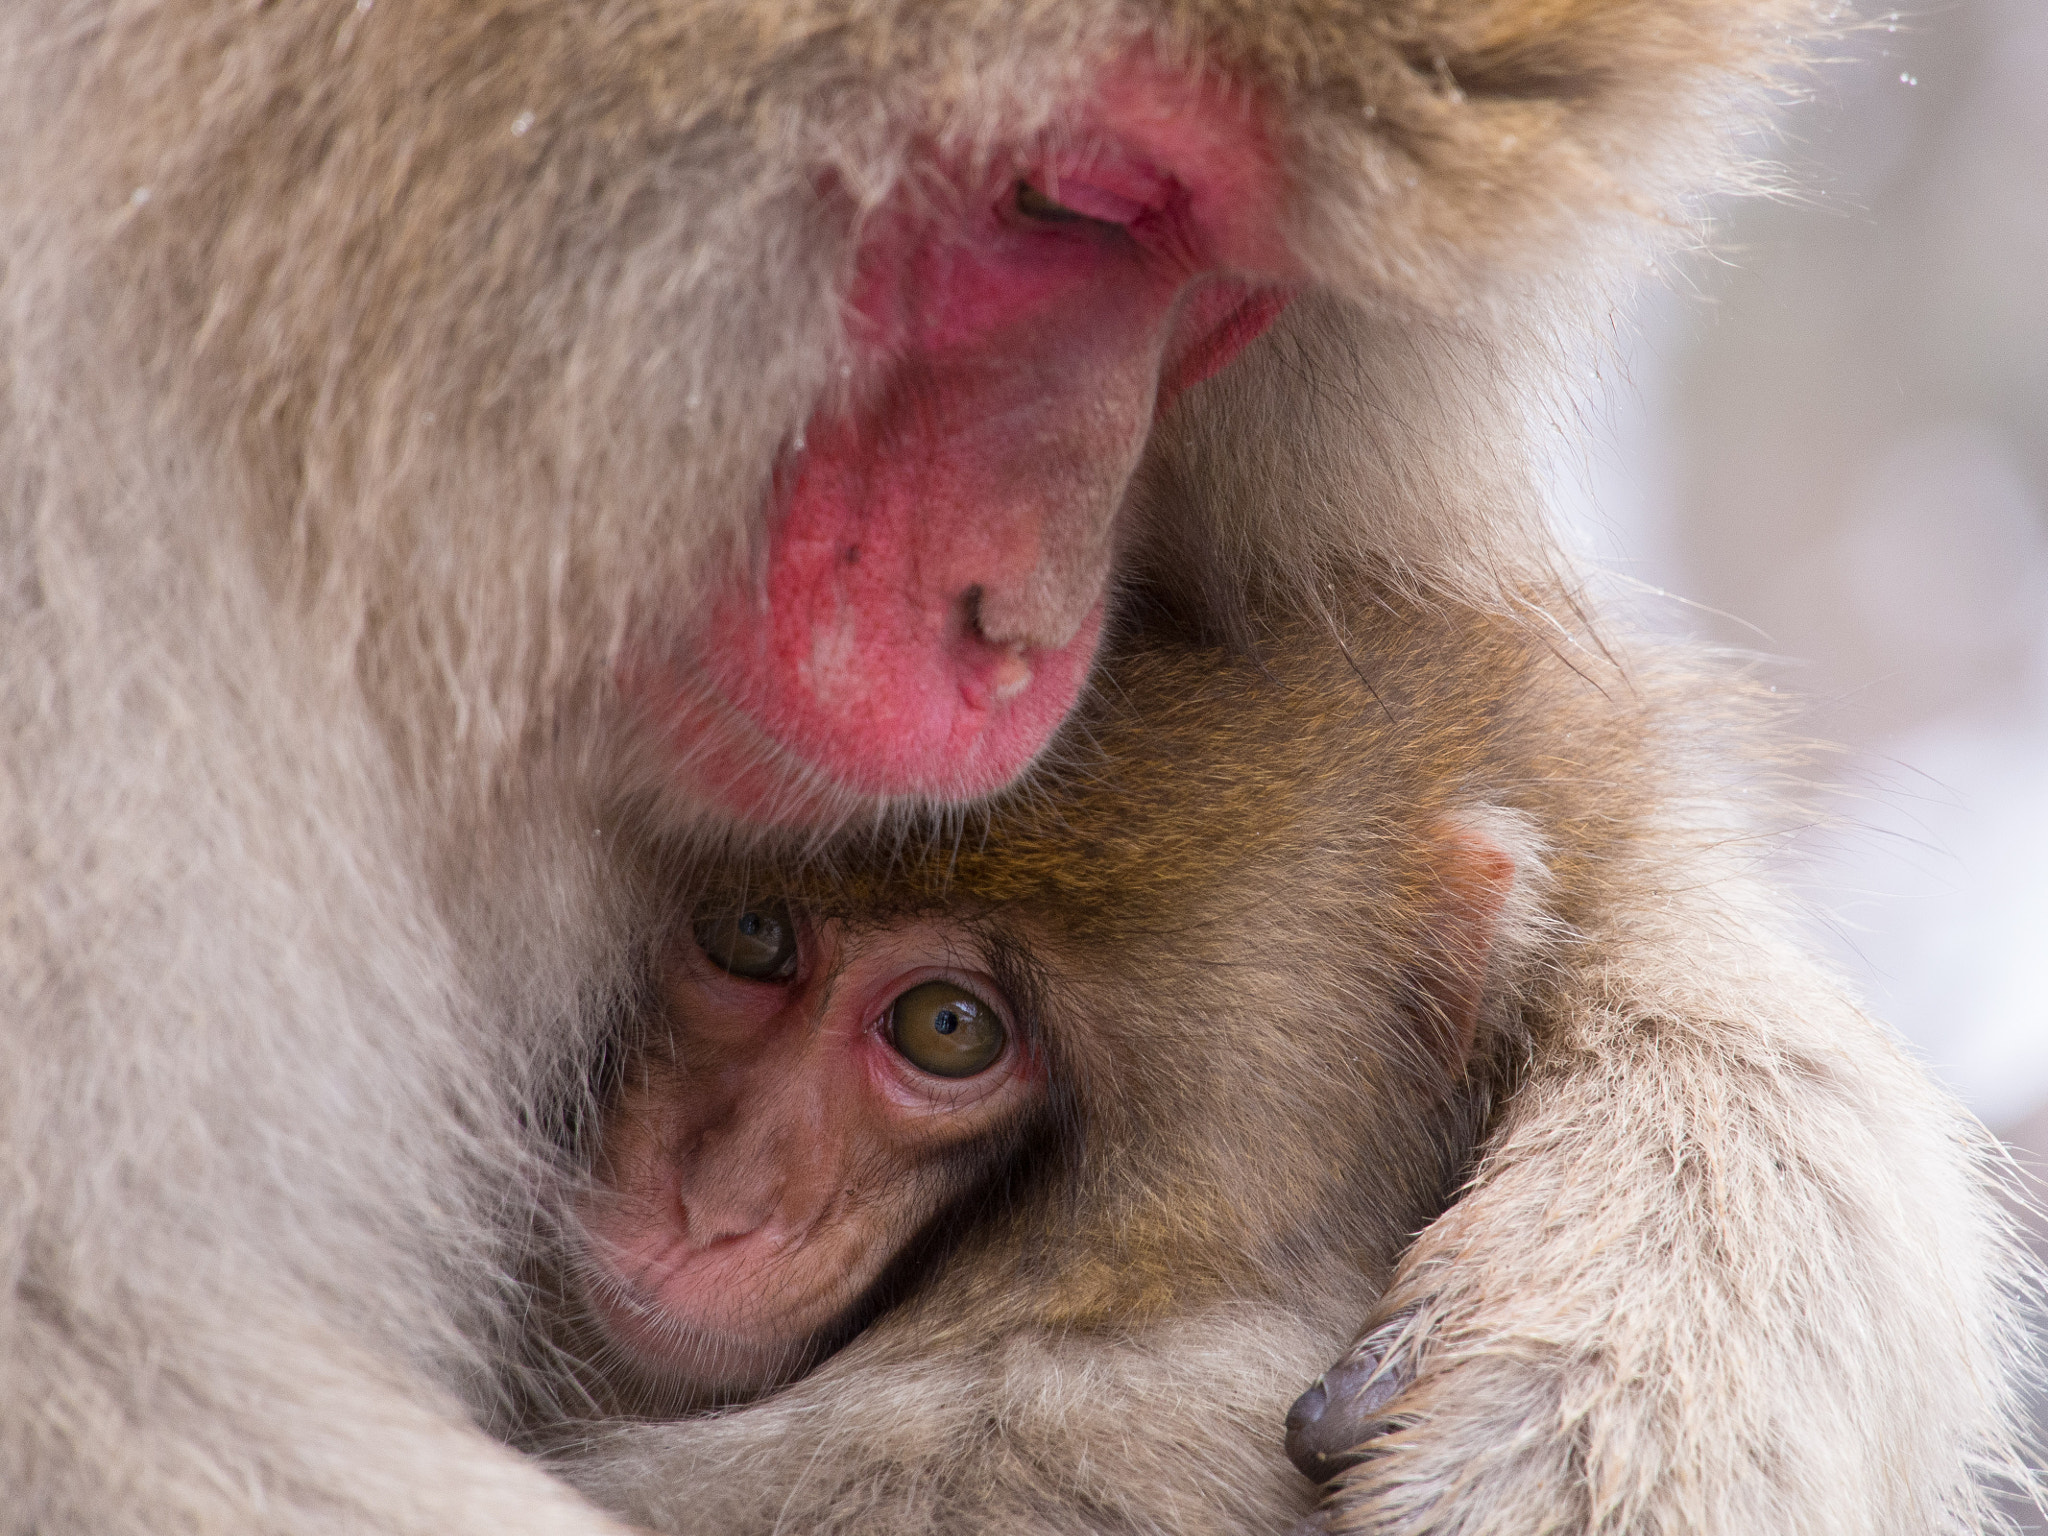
[(723, 1317)]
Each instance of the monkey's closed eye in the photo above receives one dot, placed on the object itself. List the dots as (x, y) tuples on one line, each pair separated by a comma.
[(1033, 205), (758, 943), (946, 1030)]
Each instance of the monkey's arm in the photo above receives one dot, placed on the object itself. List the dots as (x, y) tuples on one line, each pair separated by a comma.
[(246, 1112), (1027, 1433), (1730, 1264)]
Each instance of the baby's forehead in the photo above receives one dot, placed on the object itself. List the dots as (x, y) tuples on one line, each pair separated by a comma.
[(1064, 848), (1016, 889), (859, 898), (998, 887)]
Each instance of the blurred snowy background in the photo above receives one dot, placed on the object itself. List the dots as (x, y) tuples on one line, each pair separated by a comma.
[(1832, 438)]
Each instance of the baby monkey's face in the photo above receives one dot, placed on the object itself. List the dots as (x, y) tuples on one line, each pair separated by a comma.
[(812, 1096)]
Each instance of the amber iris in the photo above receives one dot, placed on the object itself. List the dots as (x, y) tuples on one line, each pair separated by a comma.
[(944, 1029)]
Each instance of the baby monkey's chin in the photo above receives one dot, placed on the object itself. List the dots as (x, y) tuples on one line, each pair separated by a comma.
[(703, 1361), (727, 1341)]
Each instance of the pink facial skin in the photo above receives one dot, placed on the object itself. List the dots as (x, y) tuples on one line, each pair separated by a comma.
[(755, 1187), (936, 572)]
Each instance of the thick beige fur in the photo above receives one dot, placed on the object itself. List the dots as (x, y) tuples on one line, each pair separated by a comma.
[(369, 372)]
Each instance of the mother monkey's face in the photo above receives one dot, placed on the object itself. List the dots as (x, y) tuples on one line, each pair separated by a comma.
[(941, 532)]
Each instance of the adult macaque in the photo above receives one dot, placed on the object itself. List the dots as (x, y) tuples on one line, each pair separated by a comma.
[(1234, 995), (448, 444)]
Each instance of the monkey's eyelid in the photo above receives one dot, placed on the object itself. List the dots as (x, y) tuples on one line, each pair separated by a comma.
[(1077, 203)]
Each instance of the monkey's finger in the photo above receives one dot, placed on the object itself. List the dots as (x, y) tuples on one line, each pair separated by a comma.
[(1332, 1419)]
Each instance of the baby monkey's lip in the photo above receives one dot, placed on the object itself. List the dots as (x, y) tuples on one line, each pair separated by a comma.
[(701, 1310)]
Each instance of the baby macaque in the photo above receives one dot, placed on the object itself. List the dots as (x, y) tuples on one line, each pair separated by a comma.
[(1017, 1177), (1182, 1044)]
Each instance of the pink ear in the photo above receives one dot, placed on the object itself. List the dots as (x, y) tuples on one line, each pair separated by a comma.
[(1474, 876)]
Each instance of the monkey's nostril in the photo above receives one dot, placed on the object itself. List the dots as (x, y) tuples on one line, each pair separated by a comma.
[(1039, 613), (1006, 674)]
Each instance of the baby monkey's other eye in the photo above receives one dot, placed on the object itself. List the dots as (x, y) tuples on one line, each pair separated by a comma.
[(944, 1029), (756, 942)]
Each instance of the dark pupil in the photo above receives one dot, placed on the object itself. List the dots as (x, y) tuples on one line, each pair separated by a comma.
[(946, 1022), (758, 943)]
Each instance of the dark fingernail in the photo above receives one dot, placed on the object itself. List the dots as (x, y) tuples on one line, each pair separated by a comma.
[(1329, 1421)]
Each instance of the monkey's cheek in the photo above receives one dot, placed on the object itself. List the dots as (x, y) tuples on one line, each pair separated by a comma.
[(1220, 321)]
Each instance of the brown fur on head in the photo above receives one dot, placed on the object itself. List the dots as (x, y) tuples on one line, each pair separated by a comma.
[(1241, 929)]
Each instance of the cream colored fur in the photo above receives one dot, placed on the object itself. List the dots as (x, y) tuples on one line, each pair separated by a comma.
[(1731, 1263), (346, 428)]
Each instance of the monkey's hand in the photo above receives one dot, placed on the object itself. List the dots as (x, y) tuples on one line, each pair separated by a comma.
[(1718, 1272), (1331, 1423)]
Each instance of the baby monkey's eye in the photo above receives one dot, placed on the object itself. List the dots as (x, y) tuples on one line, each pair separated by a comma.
[(944, 1029), (756, 942)]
